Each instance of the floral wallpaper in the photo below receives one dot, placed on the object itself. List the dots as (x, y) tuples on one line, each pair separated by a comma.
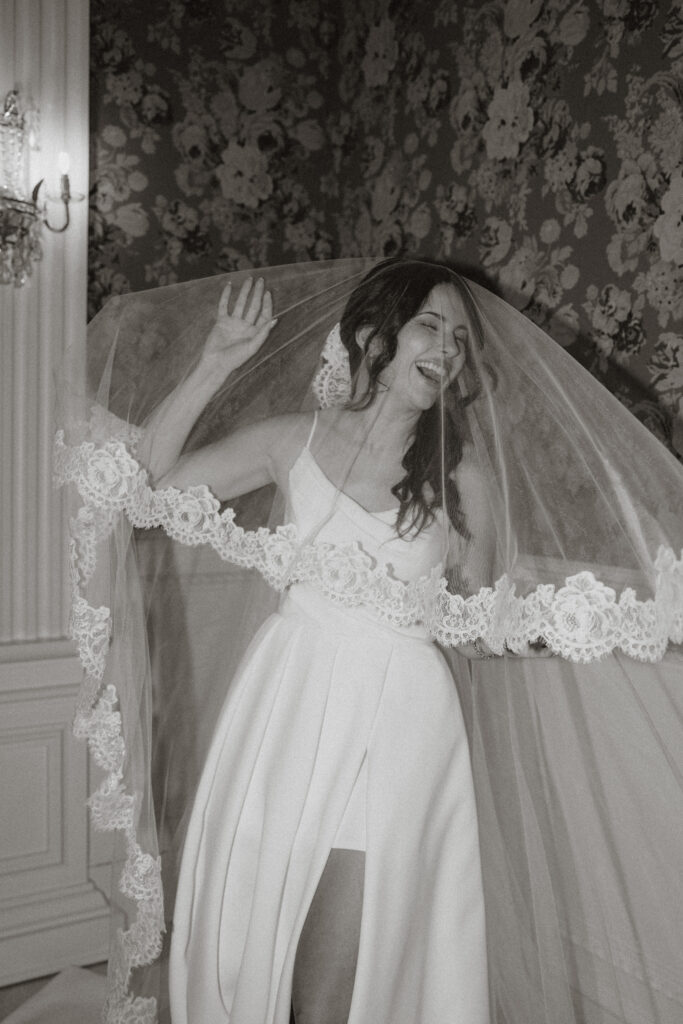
[(540, 140)]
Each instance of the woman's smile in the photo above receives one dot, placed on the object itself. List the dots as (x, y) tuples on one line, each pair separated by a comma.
[(437, 373)]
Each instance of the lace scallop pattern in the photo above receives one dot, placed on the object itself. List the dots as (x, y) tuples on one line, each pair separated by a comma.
[(332, 382), (98, 721), (582, 620)]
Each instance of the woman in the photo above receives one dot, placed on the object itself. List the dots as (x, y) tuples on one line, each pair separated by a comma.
[(407, 328), (332, 856)]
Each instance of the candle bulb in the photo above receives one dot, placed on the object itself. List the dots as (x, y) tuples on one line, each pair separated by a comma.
[(63, 164)]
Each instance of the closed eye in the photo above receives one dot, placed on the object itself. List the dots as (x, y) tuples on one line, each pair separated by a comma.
[(460, 333)]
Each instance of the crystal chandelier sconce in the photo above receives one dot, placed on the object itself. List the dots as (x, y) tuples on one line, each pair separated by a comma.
[(21, 214)]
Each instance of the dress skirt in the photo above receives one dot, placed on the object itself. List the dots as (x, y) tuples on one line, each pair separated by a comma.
[(328, 699)]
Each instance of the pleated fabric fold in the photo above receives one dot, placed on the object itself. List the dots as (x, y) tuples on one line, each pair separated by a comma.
[(321, 690)]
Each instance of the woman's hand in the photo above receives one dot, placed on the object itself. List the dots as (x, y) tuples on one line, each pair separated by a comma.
[(480, 650), (536, 649), (237, 336)]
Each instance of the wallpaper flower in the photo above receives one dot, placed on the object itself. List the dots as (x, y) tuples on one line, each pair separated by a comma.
[(539, 140)]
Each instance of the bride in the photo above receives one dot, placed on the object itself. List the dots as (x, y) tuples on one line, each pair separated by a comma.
[(367, 881), (384, 830)]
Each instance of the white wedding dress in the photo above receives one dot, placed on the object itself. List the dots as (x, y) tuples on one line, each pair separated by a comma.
[(338, 731)]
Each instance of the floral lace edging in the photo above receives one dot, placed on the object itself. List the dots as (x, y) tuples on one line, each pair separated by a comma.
[(581, 621), (98, 721)]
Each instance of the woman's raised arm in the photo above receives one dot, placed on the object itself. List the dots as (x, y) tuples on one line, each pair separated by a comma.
[(235, 338), (250, 457)]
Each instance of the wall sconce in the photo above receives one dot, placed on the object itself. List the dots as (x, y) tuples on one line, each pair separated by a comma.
[(64, 193), (21, 216)]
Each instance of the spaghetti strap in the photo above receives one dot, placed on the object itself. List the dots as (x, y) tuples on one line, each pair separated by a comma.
[(315, 422)]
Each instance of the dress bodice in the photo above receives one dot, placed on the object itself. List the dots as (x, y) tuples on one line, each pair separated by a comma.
[(324, 514)]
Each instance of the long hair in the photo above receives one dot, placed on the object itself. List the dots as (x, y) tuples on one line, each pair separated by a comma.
[(390, 295)]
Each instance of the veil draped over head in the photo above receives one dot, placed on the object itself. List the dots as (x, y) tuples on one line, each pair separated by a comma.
[(563, 525)]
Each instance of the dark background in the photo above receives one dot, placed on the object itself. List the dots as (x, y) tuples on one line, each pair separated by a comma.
[(543, 140)]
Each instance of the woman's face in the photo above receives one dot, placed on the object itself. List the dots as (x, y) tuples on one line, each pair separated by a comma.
[(431, 349)]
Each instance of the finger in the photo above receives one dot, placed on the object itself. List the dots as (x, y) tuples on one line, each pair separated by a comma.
[(223, 301), (536, 650), (260, 336), (266, 309), (255, 304), (241, 302)]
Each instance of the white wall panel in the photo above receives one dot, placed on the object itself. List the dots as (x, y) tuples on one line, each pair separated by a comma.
[(51, 912), (43, 52)]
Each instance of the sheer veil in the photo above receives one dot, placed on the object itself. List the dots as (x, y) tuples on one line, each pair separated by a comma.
[(562, 524)]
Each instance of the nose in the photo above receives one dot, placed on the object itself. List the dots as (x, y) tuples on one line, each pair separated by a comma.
[(450, 346)]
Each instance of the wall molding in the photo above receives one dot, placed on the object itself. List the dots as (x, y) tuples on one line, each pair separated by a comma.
[(52, 912), (44, 48), (44, 934)]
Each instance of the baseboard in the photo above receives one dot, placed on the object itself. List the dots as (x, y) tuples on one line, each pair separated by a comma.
[(44, 935)]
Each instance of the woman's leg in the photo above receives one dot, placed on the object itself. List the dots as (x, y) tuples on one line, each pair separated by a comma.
[(325, 965)]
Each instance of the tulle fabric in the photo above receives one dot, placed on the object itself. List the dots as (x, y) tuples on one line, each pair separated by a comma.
[(576, 759)]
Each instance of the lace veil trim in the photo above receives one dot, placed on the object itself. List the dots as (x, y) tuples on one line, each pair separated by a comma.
[(332, 383), (582, 620)]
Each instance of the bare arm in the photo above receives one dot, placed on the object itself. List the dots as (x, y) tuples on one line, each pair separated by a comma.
[(234, 338), (479, 552), (474, 558), (250, 457)]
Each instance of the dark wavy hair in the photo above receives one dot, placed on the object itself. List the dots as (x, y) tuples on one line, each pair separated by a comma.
[(392, 293)]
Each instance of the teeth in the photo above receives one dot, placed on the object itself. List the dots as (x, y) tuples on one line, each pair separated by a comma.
[(435, 370)]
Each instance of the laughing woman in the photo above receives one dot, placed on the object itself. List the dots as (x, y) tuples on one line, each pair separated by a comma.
[(440, 786), (333, 849)]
